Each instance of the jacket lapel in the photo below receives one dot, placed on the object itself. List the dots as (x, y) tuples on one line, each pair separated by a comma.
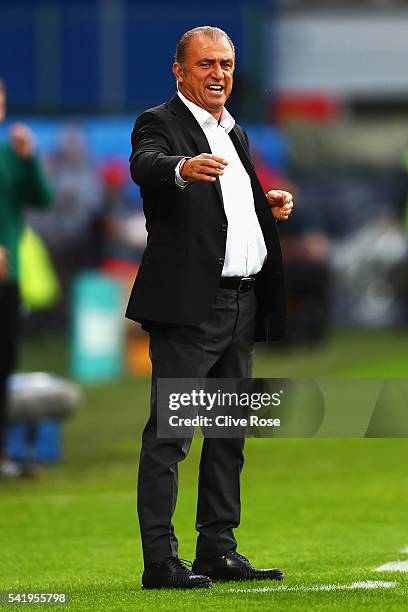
[(261, 205), (242, 150), (243, 155), (194, 131)]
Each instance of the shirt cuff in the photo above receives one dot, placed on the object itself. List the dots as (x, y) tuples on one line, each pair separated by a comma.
[(178, 179)]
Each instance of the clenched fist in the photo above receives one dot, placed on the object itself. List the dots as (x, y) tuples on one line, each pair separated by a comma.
[(281, 203)]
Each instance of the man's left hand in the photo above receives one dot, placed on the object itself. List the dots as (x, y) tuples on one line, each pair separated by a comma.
[(281, 203)]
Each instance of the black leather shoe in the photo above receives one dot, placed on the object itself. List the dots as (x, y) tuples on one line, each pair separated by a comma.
[(233, 566), (173, 573)]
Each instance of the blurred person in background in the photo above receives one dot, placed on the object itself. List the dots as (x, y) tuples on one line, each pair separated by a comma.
[(306, 252), (22, 184), (209, 286), (308, 276), (69, 229), (122, 233)]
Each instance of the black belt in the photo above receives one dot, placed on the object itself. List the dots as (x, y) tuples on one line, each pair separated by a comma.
[(239, 283)]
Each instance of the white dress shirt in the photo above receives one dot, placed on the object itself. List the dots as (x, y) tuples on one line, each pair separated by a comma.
[(245, 250)]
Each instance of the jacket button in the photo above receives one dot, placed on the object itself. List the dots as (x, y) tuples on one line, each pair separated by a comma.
[(163, 179), (224, 227), (221, 261)]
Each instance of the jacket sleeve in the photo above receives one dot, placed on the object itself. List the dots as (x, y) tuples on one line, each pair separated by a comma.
[(151, 162)]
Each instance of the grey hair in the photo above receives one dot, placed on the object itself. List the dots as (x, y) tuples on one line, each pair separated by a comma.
[(210, 31)]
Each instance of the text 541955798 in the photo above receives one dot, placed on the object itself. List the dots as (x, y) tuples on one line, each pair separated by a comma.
[(18, 598)]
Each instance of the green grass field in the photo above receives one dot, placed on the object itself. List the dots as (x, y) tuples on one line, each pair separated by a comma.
[(325, 511)]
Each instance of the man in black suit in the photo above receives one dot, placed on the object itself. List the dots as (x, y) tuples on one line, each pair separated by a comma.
[(209, 285)]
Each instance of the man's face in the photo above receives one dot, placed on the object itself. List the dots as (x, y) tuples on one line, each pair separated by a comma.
[(206, 76), (2, 104)]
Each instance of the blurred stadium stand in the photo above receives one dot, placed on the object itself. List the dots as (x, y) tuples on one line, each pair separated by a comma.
[(97, 55)]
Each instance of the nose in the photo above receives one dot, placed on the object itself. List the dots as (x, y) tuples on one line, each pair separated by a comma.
[(217, 71)]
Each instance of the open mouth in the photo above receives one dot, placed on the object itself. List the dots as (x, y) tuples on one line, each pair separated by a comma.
[(216, 88)]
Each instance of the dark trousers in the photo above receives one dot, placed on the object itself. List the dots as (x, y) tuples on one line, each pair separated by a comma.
[(9, 328), (220, 347)]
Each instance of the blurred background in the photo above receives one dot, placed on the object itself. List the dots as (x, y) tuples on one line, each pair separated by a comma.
[(322, 89)]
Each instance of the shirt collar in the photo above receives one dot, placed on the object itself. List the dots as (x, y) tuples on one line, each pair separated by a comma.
[(205, 118)]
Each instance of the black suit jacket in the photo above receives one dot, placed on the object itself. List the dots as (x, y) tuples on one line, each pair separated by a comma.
[(187, 228)]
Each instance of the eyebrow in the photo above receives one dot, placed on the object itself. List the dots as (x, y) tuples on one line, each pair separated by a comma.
[(211, 61)]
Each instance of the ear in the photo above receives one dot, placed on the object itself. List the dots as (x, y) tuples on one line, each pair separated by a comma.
[(178, 72)]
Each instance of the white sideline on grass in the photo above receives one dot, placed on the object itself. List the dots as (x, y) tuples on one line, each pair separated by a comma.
[(393, 566), (368, 584), (404, 551)]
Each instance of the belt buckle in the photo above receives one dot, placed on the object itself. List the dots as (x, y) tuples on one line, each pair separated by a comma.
[(245, 283)]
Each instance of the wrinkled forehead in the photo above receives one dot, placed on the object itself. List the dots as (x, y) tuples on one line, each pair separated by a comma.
[(202, 45)]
